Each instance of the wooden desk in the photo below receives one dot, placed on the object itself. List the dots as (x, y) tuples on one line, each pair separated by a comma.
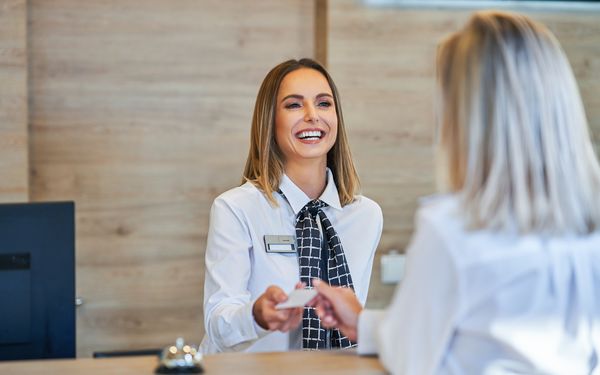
[(290, 363)]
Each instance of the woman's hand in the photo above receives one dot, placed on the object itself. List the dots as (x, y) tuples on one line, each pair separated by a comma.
[(272, 319), (337, 307)]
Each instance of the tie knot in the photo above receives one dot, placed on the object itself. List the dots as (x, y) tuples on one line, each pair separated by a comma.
[(313, 207)]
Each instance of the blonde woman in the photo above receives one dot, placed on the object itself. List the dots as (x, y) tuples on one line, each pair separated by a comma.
[(503, 271), (297, 216)]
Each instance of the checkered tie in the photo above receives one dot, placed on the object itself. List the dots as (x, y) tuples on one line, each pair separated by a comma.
[(324, 262)]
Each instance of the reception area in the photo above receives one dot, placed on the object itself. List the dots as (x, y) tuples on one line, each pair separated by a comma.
[(174, 172)]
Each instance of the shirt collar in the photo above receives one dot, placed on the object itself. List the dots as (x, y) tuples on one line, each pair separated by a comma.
[(298, 199)]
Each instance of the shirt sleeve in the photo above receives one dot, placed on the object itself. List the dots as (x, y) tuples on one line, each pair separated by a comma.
[(228, 318), (417, 327), (368, 322)]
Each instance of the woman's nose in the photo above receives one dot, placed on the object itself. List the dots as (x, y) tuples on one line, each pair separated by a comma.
[(310, 114)]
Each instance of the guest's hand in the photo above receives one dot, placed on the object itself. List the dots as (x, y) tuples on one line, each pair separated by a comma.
[(272, 319), (337, 307)]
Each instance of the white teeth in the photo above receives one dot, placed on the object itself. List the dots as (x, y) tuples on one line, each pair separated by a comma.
[(310, 134)]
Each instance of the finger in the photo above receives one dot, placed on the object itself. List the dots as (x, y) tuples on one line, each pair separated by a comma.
[(324, 289), (293, 319), (282, 315), (297, 313), (341, 300), (319, 303), (275, 294), (313, 301), (276, 322), (271, 314), (324, 304), (284, 327), (296, 318), (329, 321), (316, 302), (322, 312)]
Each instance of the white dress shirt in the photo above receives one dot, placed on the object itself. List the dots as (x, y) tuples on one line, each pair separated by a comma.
[(239, 270), (478, 302)]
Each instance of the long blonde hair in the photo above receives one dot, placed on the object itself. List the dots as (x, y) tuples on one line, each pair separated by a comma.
[(265, 166), (512, 129)]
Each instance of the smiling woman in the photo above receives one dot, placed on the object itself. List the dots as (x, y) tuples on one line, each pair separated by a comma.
[(265, 164), (306, 126), (297, 216)]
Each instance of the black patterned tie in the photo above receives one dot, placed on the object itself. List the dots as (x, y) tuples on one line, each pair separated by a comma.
[(324, 262)]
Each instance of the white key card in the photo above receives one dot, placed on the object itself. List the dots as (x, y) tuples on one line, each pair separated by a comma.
[(297, 298)]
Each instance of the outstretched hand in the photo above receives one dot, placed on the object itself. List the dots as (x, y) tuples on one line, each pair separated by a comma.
[(268, 317), (337, 308)]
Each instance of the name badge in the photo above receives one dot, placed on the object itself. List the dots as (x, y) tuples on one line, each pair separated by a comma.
[(280, 244)]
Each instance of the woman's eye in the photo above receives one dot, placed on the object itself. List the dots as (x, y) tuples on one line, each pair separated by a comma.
[(325, 104), (292, 105)]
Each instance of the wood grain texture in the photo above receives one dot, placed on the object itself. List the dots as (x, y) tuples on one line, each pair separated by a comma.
[(321, 30), (140, 113), (290, 363), (14, 164), (382, 60)]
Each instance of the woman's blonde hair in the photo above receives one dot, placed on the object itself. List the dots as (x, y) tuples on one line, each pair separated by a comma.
[(265, 163), (512, 130)]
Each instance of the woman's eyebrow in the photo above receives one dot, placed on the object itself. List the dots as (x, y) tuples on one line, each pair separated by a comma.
[(298, 96), (295, 96)]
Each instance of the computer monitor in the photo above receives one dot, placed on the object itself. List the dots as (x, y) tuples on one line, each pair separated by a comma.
[(37, 280)]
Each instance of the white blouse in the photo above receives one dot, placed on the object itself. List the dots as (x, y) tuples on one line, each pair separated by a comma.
[(478, 302), (239, 270)]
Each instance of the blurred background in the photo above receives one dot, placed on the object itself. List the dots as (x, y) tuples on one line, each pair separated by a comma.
[(139, 111)]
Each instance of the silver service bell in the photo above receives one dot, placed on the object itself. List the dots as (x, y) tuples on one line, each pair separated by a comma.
[(180, 358)]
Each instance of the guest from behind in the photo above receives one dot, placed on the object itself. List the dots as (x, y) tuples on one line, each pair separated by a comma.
[(297, 216), (503, 270)]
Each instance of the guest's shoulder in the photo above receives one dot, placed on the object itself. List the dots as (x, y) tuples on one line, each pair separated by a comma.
[(438, 205), (440, 211)]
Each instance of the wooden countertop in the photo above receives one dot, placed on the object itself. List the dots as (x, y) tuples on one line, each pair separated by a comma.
[(288, 363)]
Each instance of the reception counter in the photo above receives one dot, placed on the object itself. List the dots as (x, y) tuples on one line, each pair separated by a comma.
[(288, 363)]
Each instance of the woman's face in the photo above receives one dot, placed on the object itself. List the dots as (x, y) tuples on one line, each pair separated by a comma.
[(305, 117)]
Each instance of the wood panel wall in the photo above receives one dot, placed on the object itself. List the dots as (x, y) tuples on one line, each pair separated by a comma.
[(140, 112), (13, 101), (382, 59)]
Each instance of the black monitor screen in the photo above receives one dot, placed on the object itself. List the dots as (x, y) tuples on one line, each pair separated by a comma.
[(37, 280)]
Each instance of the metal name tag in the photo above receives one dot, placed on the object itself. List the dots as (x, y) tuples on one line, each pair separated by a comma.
[(280, 244)]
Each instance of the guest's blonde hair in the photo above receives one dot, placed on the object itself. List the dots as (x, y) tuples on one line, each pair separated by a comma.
[(512, 131), (265, 163)]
